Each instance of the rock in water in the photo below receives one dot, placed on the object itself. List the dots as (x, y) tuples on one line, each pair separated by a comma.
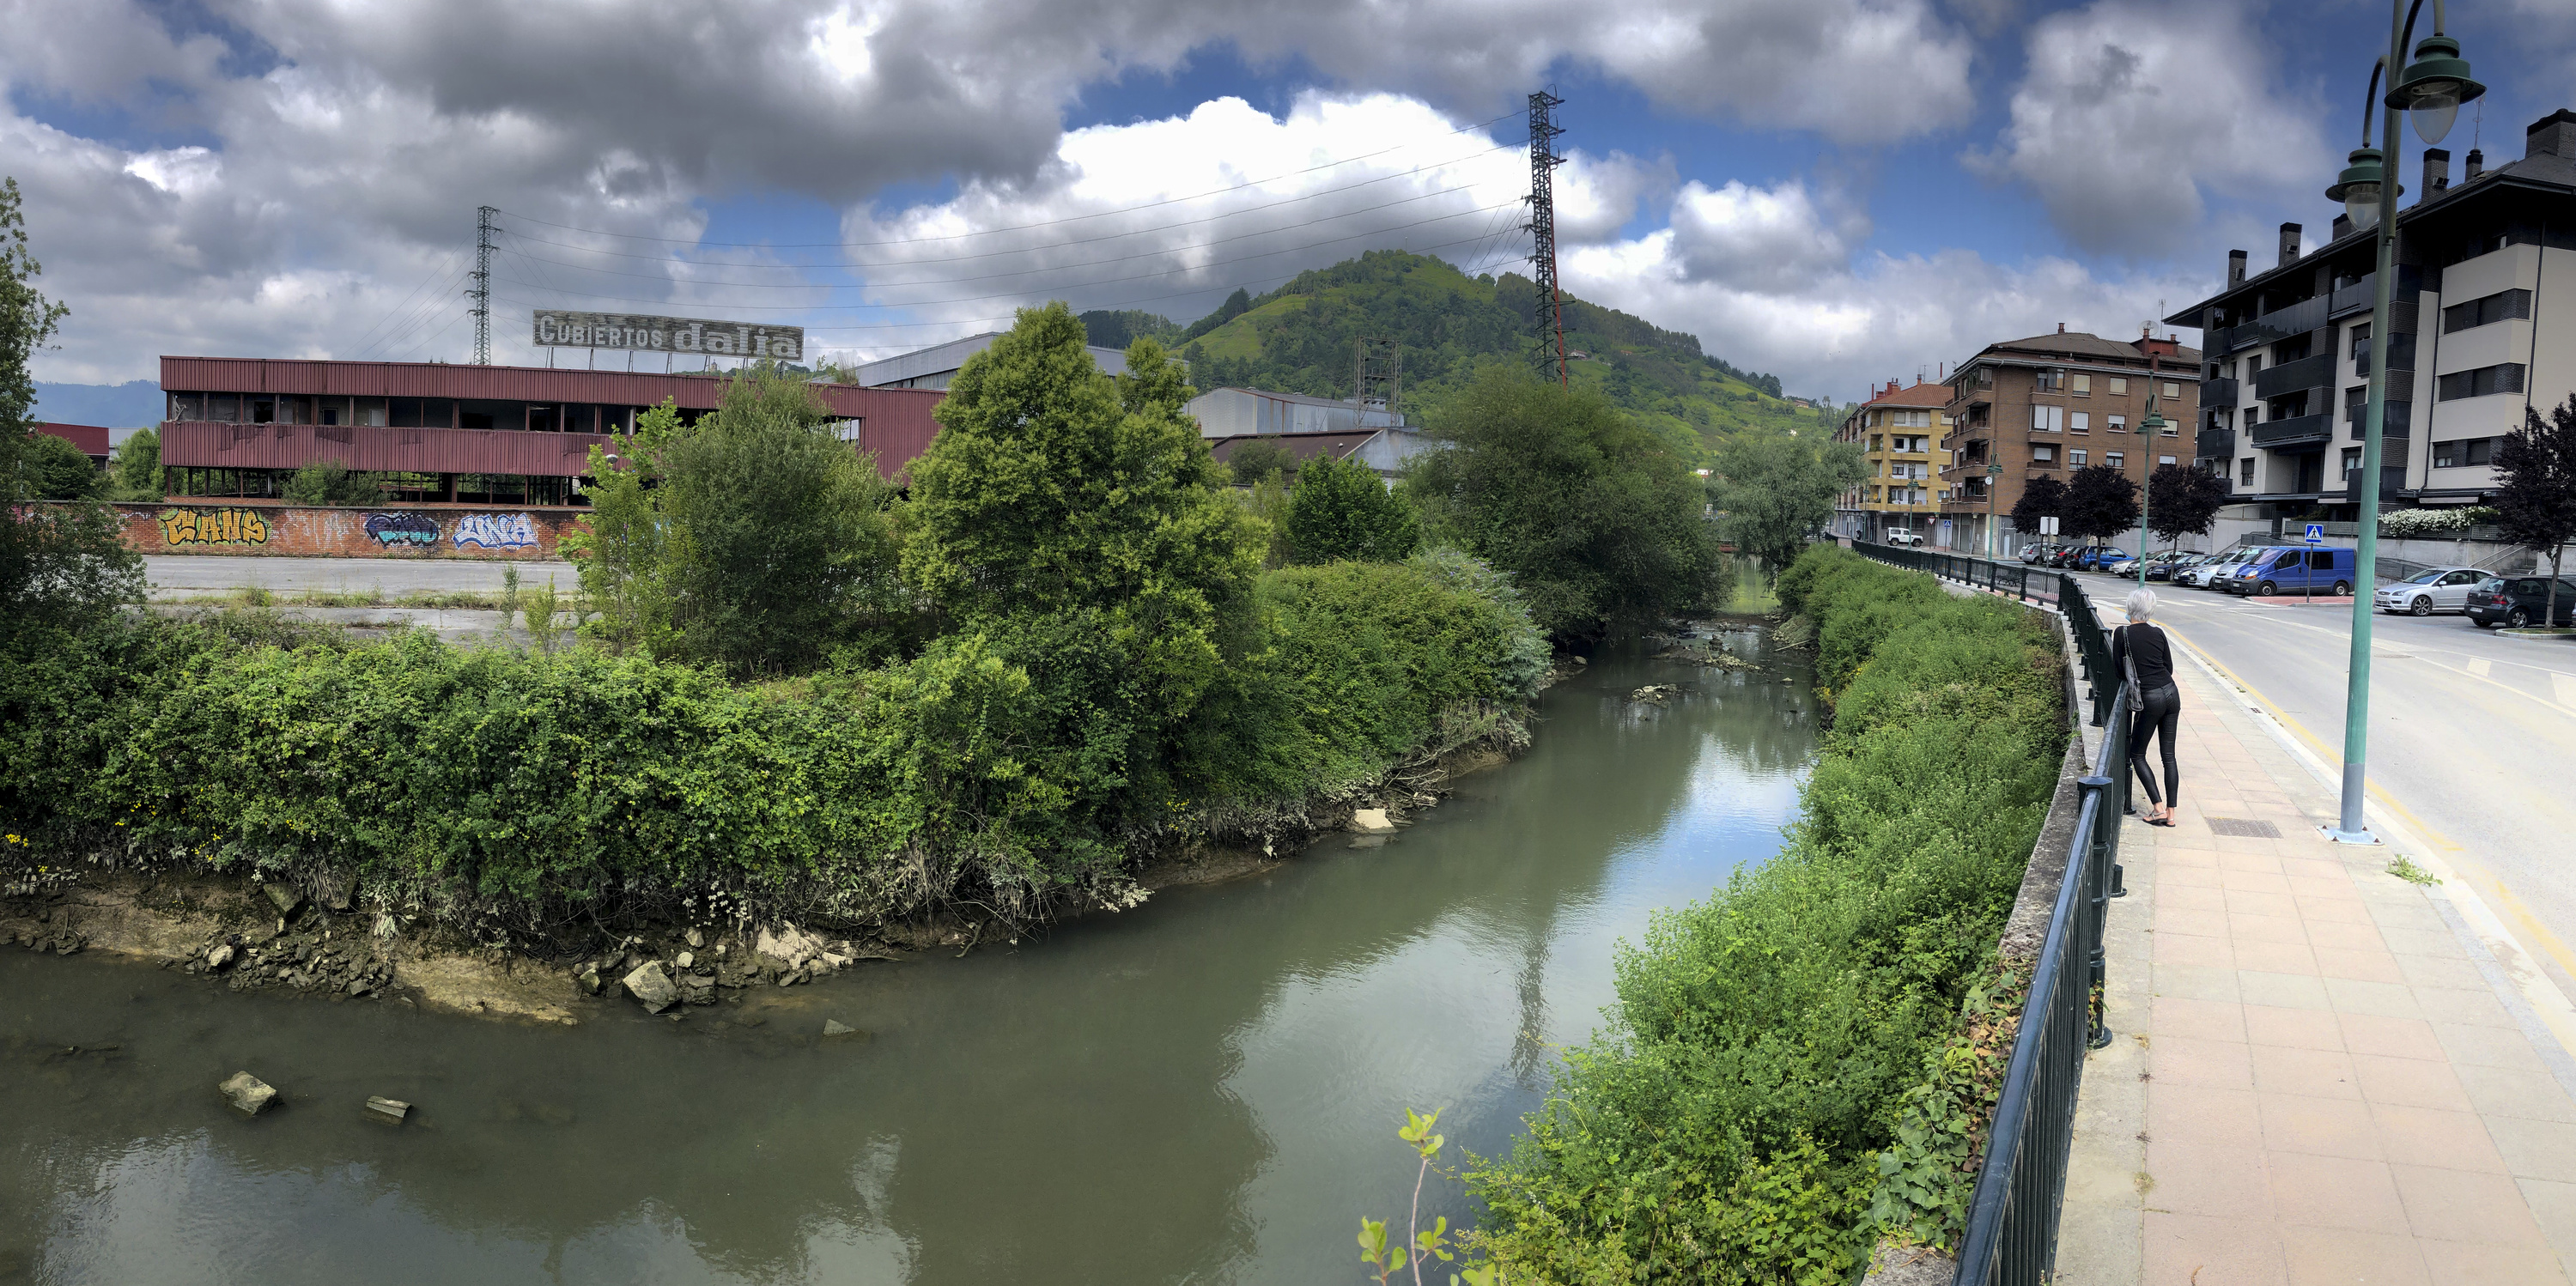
[(835, 1027), (1371, 821), (787, 946), (248, 1094), (389, 1110), (287, 899), (652, 988), (219, 957)]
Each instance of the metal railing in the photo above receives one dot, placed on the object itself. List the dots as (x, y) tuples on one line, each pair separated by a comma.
[(2011, 1238)]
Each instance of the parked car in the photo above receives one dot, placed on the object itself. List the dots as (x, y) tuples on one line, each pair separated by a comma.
[(2166, 566), (2062, 556), (2321, 569), (2235, 571), (2439, 589), (2038, 551), (1901, 536), (2517, 601), (2212, 568), (2094, 558)]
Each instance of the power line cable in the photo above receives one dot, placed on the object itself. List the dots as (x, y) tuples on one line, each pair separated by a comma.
[(408, 300), (410, 324), (1047, 223)]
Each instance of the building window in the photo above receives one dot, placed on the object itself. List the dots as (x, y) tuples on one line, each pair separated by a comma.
[(2481, 382), (2465, 453), (2119, 386), (2172, 390), (2043, 454), (2116, 423), (1985, 377), (2504, 305), (2245, 471), (2113, 459), (2351, 461), (2082, 384), (2075, 457), (2253, 366), (2079, 422), (2048, 419)]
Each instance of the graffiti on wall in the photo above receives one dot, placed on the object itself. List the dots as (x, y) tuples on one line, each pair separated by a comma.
[(495, 531), (402, 529), (213, 527)]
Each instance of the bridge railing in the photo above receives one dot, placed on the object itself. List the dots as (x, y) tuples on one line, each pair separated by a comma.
[(2011, 1237)]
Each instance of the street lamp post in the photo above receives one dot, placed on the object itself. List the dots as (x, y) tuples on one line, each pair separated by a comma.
[(2431, 90), (1994, 474), (2149, 428)]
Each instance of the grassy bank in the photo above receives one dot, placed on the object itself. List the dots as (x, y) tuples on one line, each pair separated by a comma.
[(517, 791), (1770, 1044)]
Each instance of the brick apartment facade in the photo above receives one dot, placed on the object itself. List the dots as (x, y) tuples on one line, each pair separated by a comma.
[(2051, 404)]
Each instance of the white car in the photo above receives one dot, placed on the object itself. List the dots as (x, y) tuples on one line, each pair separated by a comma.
[(2439, 589), (1901, 536)]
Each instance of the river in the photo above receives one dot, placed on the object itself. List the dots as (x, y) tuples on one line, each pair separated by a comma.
[(1205, 1089)]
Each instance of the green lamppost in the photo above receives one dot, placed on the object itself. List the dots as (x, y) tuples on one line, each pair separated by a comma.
[(2150, 428), (2430, 89), (1994, 474)]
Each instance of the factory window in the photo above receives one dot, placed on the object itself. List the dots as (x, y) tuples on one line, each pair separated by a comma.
[(2481, 382), (405, 413)]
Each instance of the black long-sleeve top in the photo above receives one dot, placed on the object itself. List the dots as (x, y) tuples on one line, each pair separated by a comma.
[(2146, 645)]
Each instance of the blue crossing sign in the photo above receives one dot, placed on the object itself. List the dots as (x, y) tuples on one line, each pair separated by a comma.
[(2316, 533)]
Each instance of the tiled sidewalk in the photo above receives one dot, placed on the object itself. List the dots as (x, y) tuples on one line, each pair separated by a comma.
[(2312, 1079)]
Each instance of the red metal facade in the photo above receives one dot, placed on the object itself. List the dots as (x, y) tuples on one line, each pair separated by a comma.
[(201, 445), (90, 438), (895, 423)]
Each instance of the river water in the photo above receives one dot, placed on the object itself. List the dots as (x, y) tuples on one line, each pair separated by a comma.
[(1205, 1089)]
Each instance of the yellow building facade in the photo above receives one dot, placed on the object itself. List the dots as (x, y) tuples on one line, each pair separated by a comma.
[(1899, 431)]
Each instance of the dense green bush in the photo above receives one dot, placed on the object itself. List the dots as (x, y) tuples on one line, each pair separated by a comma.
[(496, 782), (1727, 1125), (1341, 510)]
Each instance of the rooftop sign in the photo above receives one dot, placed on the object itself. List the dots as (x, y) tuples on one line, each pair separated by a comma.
[(668, 335)]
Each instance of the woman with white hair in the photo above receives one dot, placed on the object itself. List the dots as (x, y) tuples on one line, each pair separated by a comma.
[(2140, 652)]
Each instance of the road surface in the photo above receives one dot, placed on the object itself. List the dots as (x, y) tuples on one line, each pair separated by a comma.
[(187, 576), (2472, 735)]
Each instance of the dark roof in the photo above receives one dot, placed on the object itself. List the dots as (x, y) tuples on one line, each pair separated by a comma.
[(2073, 345), (1921, 394), (90, 438)]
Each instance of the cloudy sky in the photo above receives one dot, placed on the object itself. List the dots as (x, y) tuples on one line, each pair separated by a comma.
[(1835, 190)]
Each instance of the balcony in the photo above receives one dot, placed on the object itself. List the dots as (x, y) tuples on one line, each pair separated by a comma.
[(2297, 431), (2272, 327), (2293, 377), (2391, 481), (2215, 444), (2397, 423), (2359, 296), (2215, 393)]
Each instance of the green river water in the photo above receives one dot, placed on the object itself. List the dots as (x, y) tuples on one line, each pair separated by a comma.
[(1202, 1090)]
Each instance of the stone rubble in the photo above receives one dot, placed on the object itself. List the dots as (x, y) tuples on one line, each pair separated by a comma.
[(248, 1094)]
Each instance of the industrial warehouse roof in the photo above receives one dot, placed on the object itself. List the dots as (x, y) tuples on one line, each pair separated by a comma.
[(695, 390)]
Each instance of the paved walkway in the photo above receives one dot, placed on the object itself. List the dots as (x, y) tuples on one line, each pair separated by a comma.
[(2320, 1073)]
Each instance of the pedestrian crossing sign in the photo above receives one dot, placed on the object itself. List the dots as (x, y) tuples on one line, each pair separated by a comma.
[(2316, 533)]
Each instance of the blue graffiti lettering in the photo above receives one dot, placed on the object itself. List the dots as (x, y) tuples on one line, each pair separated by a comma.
[(402, 529), (495, 531)]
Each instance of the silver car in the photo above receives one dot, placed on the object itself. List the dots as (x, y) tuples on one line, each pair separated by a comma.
[(2439, 589)]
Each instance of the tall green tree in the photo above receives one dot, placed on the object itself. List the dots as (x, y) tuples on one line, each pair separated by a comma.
[(53, 469), (1597, 521), (1055, 492), (1258, 459), (1341, 511), (754, 540), (62, 565), (2183, 501), (2536, 492), (136, 467), (1775, 490)]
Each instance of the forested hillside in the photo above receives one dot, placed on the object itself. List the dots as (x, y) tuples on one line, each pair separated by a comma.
[(1303, 337)]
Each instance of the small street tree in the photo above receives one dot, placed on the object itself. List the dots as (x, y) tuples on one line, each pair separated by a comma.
[(2101, 502), (2183, 501), (2041, 497), (2536, 499), (1775, 490)]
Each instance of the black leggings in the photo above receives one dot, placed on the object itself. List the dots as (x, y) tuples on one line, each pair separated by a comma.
[(2158, 714)]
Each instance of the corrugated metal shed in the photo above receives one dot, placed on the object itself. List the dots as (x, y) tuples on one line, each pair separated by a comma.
[(505, 383), (92, 439), (936, 366)]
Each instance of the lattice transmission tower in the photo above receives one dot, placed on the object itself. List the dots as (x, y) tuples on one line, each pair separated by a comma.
[(481, 294), (1543, 130), (1380, 376)]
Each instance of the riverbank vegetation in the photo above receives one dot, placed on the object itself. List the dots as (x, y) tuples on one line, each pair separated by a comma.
[(1729, 1123), (798, 690)]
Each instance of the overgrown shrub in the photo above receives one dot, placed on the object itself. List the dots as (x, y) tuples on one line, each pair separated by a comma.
[(1727, 1124)]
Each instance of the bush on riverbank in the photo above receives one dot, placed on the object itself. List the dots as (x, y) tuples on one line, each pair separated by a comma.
[(526, 785), (1726, 1125)]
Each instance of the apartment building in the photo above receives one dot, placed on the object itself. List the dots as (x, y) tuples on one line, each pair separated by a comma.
[(1898, 431), (2481, 329), (2050, 405)]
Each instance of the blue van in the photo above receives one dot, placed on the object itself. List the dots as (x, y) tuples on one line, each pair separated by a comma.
[(2322, 570)]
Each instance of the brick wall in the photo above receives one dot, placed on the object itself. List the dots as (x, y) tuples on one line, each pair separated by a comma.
[(289, 531)]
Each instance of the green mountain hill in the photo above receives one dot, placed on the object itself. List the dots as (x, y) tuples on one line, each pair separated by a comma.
[(1304, 337)]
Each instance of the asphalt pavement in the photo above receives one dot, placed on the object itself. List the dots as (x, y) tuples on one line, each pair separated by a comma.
[(2472, 735), (187, 576)]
